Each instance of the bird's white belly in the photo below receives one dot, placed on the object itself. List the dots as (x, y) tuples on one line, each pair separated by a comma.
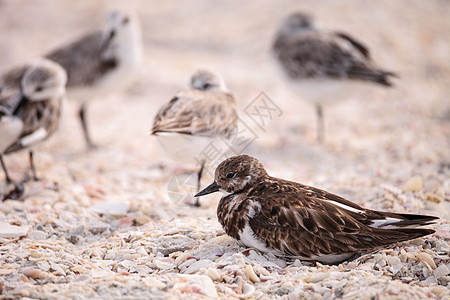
[(10, 129), (248, 238)]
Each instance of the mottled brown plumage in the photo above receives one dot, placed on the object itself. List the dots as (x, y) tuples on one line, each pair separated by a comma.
[(298, 221)]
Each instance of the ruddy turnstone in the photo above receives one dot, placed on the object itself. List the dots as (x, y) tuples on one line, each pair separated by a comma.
[(323, 66), (196, 117), (297, 221), (101, 61), (30, 107)]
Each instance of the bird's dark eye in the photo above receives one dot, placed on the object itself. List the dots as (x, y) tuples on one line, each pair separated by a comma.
[(125, 21), (230, 175), (112, 34), (206, 86), (39, 88)]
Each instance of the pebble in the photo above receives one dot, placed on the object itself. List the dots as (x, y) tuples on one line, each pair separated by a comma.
[(414, 184), (34, 273)]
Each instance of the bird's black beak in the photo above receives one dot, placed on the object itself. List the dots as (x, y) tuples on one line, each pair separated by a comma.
[(213, 187)]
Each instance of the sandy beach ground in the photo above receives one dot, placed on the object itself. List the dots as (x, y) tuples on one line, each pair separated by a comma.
[(110, 223)]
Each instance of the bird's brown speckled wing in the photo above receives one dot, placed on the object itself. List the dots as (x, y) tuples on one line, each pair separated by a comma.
[(336, 56), (84, 60), (300, 221), (198, 113)]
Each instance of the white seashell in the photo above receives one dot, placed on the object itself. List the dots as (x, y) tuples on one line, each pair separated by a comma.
[(43, 265), (425, 257), (12, 231), (37, 235), (203, 263), (394, 260), (205, 284), (57, 268), (181, 258), (142, 251), (34, 273), (251, 274), (441, 271), (79, 269), (213, 274), (396, 268), (382, 262), (247, 291), (313, 278), (186, 264), (163, 263), (114, 208)]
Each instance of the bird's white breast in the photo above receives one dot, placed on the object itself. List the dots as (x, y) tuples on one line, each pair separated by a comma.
[(10, 129)]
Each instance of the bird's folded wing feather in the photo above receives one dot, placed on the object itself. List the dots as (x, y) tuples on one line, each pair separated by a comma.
[(322, 56), (310, 225), (196, 112)]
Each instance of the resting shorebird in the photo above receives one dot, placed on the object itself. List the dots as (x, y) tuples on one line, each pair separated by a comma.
[(101, 61), (196, 117), (30, 107), (296, 221), (323, 66)]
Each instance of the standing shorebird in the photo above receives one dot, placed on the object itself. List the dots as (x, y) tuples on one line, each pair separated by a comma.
[(297, 221), (323, 66), (30, 107), (102, 61), (196, 117)]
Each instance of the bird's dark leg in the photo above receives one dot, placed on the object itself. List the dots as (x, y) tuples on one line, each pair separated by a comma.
[(320, 124), (32, 167), (199, 178), (87, 137), (8, 179)]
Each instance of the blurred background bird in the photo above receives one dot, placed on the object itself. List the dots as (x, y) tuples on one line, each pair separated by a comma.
[(323, 66), (101, 62), (195, 119), (30, 107)]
